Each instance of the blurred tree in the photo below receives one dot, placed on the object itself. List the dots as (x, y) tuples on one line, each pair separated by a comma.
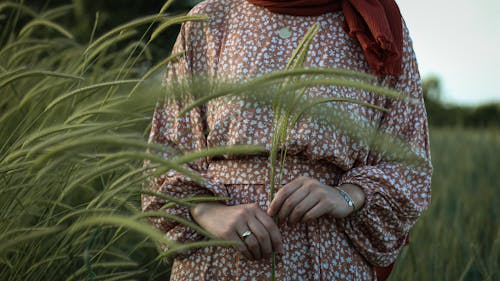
[(432, 95), (442, 115), (485, 116), (432, 88)]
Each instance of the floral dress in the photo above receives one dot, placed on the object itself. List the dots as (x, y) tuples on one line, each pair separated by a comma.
[(239, 41)]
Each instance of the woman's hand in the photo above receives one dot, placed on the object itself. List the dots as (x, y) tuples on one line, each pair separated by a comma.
[(230, 222), (305, 199)]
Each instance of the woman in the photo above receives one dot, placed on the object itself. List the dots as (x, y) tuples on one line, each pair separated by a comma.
[(344, 210)]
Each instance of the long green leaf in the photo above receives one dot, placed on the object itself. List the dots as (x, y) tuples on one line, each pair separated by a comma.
[(177, 219), (57, 12), (187, 246), (23, 8), (168, 23), (154, 69), (42, 22), (165, 6), (35, 233), (34, 73), (88, 88), (124, 27), (266, 80), (215, 151), (121, 221), (90, 141)]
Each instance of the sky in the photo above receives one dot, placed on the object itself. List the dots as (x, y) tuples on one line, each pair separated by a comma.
[(458, 41)]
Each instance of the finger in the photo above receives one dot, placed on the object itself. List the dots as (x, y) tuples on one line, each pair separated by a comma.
[(273, 230), (315, 212), (302, 208), (242, 246), (282, 195), (291, 203), (253, 246), (263, 237)]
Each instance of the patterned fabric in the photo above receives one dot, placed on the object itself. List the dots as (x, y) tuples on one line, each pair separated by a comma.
[(242, 40)]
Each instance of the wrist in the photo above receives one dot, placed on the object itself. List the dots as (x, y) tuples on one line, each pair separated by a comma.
[(356, 193)]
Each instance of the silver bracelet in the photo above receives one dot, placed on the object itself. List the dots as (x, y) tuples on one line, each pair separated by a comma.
[(347, 198)]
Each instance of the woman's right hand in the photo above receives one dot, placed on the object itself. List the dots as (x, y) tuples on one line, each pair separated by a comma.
[(230, 222)]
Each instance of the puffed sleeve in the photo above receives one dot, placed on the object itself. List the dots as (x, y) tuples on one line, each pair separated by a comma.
[(397, 192), (179, 135)]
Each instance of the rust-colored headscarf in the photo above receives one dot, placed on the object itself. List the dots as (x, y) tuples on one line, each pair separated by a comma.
[(375, 23)]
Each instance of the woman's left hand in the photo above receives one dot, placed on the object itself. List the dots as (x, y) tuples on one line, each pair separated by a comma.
[(305, 199)]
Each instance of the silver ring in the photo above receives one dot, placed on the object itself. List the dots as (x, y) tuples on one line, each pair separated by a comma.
[(245, 235)]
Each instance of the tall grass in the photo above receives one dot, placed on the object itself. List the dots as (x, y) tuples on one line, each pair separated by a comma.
[(458, 238), (74, 120)]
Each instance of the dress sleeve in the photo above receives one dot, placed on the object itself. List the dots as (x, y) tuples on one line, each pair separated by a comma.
[(179, 135), (397, 192)]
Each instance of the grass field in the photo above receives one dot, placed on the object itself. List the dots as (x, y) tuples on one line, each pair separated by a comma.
[(458, 238), (73, 123)]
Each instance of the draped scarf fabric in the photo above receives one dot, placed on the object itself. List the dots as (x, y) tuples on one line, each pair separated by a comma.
[(376, 24)]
